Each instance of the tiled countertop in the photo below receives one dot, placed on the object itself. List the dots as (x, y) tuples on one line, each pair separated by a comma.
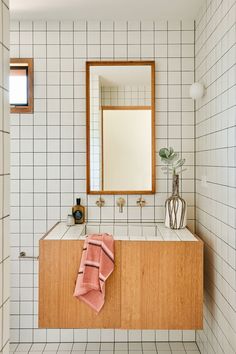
[(129, 232)]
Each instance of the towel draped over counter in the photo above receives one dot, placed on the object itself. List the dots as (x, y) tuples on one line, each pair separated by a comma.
[(96, 265)]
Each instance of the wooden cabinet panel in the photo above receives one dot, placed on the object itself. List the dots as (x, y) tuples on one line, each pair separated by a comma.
[(58, 266), (155, 285), (162, 285)]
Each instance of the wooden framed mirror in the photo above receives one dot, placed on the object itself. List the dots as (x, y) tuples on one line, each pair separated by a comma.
[(120, 106)]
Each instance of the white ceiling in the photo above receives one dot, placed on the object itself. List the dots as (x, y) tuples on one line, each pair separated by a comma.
[(105, 9)]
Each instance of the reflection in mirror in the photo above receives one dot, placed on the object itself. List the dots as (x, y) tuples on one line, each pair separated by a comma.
[(120, 127)]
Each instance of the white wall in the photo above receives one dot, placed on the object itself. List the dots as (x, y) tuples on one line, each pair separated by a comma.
[(48, 147), (216, 159), (127, 150), (4, 178)]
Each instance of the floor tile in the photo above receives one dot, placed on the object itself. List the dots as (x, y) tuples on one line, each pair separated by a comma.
[(190, 346), (135, 346), (93, 346), (23, 347), (65, 346), (51, 347), (36, 347), (79, 346), (13, 347), (121, 346), (163, 346), (177, 346), (107, 346), (149, 346)]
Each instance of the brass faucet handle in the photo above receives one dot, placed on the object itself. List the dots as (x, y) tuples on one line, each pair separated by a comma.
[(120, 203), (100, 202), (141, 202)]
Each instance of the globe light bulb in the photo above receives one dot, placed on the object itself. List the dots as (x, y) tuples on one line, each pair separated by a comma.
[(196, 90)]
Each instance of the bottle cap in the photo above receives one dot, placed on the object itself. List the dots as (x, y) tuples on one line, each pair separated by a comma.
[(78, 201)]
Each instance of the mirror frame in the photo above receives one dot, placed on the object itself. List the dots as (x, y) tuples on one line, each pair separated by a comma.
[(89, 64)]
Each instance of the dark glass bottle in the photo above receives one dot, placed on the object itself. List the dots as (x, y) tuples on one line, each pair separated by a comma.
[(78, 212)]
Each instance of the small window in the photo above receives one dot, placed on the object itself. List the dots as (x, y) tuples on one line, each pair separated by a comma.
[(21, 85)]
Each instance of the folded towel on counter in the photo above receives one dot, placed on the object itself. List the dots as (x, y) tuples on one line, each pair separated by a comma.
[(97, 263)]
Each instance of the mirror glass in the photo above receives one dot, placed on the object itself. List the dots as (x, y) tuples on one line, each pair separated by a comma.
[(120, 127)]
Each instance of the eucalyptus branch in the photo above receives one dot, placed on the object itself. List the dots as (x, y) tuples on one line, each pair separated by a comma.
[(172, 161)]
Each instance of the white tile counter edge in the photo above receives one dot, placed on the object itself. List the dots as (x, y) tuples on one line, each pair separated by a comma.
[(120, 231)]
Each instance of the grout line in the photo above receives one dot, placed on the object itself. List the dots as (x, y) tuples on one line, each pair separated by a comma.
[(33, 157), (195, 115), (20, 222)]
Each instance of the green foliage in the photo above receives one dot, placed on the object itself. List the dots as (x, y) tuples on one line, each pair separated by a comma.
[(171, 159)]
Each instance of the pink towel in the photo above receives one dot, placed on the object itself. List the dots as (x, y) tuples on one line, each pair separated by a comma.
[(97, 263)]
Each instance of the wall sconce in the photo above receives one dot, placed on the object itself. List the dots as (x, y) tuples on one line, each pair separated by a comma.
[(196, 90)]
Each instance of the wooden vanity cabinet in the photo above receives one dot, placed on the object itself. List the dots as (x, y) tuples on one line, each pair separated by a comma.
[(162, 285), (155, 285), (59, 262)]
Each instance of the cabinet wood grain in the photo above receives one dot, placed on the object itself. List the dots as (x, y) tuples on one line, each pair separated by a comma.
[(162, 285), (155, 285), (58, 267)]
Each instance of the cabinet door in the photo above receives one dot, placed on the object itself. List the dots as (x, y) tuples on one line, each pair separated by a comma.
[(58, 267), (161, 285)]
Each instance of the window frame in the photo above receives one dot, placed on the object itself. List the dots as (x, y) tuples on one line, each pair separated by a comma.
[(29, 108)]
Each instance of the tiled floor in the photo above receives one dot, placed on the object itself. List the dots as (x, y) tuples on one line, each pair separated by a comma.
[(106, 348)]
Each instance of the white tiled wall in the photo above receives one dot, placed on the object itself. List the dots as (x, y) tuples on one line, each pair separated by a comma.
[(95, 133), (216, 159), (126, 96), (48, 147), (4, 178)]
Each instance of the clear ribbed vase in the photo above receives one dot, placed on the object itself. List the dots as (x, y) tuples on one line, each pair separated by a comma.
[(175, 207)]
